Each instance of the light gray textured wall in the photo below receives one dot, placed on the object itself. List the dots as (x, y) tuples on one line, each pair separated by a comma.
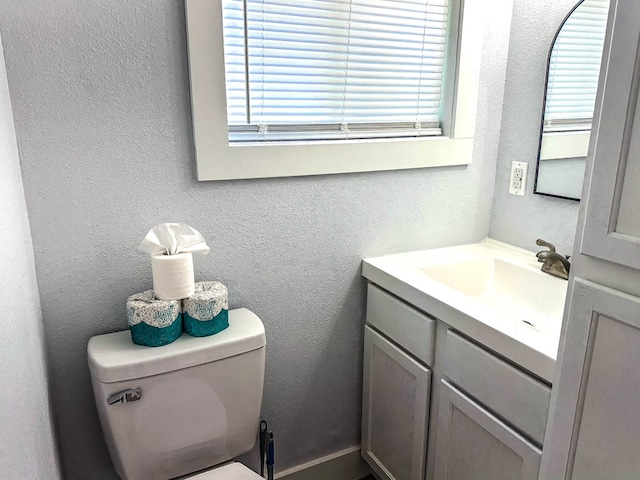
[(563, 176), (27, 449), (521, 220), (101, 104)]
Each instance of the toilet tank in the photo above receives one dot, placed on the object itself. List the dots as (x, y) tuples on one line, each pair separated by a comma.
[(198, 403)]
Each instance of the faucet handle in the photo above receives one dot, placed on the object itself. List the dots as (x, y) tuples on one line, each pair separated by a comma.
[(543, 243)]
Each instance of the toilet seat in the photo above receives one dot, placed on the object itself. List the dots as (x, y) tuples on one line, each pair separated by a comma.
[(233, 471)]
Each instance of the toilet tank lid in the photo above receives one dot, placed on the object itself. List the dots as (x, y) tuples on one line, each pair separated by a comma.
[(113, 357)]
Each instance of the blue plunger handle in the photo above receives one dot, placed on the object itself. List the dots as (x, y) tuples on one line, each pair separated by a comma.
[(263, 445), (271, 457)]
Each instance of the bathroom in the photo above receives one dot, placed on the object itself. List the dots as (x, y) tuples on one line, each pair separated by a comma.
[(97, 147)]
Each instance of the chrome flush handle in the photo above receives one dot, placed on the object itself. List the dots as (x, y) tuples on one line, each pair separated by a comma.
[(129, 395)]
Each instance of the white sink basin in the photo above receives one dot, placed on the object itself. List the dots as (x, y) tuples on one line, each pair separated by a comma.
[(490, 291), (512, 291)]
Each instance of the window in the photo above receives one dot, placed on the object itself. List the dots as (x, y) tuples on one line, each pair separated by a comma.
[(574, 68), (572, 81), (333, 69), (289, 107)]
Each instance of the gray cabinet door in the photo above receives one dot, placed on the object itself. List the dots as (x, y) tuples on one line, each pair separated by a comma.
[(595, 426), (612, 223), (473, 444), (395, 410)]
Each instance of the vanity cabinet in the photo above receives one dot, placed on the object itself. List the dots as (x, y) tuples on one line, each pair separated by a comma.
[(395, 410), (473, 444), (439, 406)]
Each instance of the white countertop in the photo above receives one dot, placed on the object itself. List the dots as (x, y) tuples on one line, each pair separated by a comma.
[(527, 296)]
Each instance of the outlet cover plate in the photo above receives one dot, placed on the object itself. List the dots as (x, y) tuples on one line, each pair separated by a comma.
[(518, 178)]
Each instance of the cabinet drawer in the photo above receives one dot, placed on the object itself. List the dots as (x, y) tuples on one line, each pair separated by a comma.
[(412, 330), (515, 396)]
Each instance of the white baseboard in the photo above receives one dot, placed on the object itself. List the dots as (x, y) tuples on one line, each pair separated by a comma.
[(344, 465)]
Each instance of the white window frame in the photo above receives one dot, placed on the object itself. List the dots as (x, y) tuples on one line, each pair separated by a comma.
[(217, 159)]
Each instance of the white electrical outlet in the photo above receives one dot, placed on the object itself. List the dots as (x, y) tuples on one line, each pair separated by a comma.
[(518, 180)]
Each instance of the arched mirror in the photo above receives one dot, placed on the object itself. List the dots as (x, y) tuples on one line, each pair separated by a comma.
[(573, 69)]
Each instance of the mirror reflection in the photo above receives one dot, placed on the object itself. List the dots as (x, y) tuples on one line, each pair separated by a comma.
[(572, 82)]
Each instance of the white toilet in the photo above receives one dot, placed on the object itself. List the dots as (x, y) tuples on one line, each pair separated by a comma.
[(184, 407)]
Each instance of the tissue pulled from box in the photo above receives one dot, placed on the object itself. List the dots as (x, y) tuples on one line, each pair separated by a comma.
[(172, 239)]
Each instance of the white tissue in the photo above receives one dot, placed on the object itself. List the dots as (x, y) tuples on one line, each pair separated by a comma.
[(171, 246), (173, 238), (172, 276)]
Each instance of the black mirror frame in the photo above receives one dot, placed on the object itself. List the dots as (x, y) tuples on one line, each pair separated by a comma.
[(544, 106)]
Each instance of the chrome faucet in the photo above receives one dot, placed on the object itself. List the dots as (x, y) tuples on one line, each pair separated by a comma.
[(553, 263)]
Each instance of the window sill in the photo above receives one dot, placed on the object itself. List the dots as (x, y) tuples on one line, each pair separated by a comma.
[(559, 145), (226, 162)]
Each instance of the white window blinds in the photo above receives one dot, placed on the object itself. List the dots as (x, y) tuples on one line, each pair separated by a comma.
[(574, 68), (333, 69)]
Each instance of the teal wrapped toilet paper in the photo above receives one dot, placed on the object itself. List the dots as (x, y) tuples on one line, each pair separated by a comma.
[(153, 322), (206, 312)]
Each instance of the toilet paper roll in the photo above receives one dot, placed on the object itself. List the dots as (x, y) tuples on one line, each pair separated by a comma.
[(206, 312), (153, 322), (172, 276)]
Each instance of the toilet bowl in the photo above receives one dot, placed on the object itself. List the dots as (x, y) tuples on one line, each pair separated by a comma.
[(182, 408)]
